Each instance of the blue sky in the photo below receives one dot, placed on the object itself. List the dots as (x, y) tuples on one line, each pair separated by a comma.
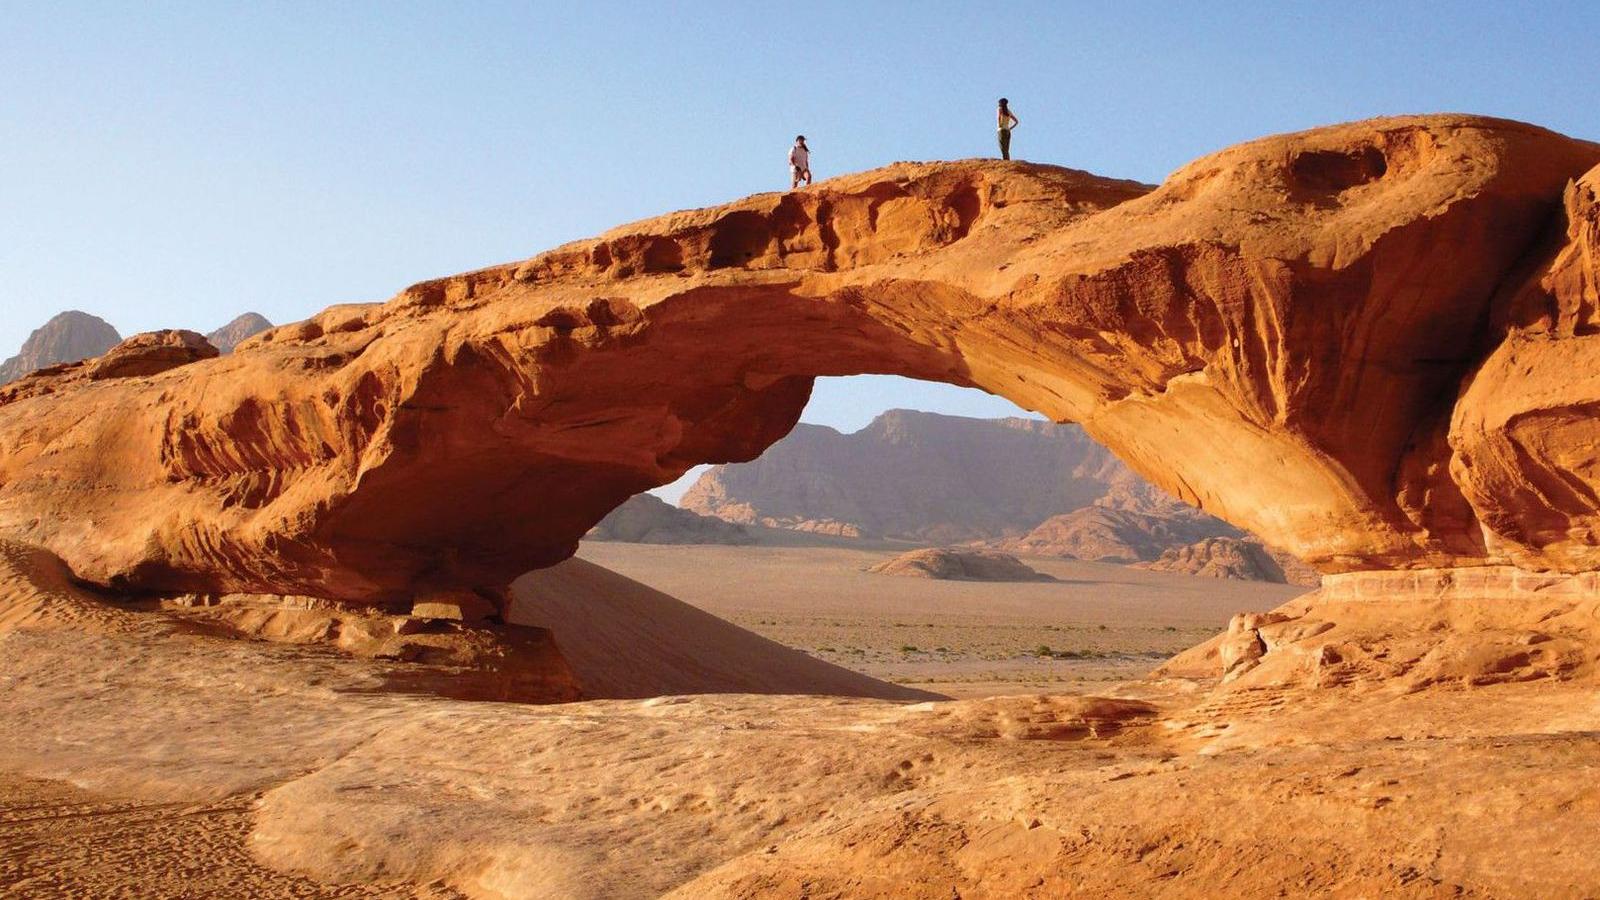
[(174, 164)]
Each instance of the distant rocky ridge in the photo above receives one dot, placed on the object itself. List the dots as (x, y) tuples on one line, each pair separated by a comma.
[(67, 337), (647, 519), (239, 330), (73, 335), (925, 477), (1016, 485)]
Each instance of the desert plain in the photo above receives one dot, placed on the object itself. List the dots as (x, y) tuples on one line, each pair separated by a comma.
[(1097, 623)]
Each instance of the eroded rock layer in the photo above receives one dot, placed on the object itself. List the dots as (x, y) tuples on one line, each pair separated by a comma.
[(1364, 343)]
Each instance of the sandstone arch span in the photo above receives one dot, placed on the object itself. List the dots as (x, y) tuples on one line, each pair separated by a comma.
[(1286, 332)]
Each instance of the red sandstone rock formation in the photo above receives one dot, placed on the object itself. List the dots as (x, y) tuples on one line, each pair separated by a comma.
[(1305, 335), (149, 353), (1524, 435)]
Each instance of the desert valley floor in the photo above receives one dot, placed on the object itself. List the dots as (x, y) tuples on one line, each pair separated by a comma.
[(1097, 623)]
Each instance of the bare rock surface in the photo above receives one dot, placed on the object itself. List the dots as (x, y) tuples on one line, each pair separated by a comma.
[(150, 353), (445, 658), (647, 519), (67, 337), (1304, 335), (1523, 438), (958, 564), (1456, 627)]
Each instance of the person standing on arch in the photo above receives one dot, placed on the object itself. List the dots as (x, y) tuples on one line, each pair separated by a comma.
[(1007, 121), (799, 163)]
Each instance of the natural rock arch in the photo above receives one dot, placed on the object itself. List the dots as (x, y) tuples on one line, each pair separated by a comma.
[(1279, 333)]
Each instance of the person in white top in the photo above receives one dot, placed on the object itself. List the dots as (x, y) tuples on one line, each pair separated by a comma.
[(799, 163), (1008, 121)]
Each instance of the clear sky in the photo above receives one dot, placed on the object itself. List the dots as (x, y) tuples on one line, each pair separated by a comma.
[(175, 164)]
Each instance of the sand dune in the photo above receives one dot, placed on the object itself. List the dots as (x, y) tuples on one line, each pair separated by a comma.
[(624, 639)]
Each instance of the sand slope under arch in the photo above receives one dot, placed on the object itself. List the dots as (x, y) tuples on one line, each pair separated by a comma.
[(626, 640)]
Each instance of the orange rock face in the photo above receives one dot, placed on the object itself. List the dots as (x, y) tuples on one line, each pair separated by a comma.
[(1306, 335), (1525, 435)]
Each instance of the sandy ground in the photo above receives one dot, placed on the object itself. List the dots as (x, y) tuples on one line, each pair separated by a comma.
[(60, 841), (141, 761), (623, 639), (1098, 624)]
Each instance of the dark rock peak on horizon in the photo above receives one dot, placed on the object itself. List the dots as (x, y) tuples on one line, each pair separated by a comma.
[(68, 337), (237, 331)]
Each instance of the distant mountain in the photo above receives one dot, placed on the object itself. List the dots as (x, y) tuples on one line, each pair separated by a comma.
[(236, 332), (1017, 485), (68, 337), (647, 519), (925, 477)]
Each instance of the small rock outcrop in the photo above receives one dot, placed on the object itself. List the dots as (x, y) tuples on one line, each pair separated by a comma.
[(67, 337), (946, 564), (1101, 534), (647, 519), (149, 353), (238, 331), (1235, 558)]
